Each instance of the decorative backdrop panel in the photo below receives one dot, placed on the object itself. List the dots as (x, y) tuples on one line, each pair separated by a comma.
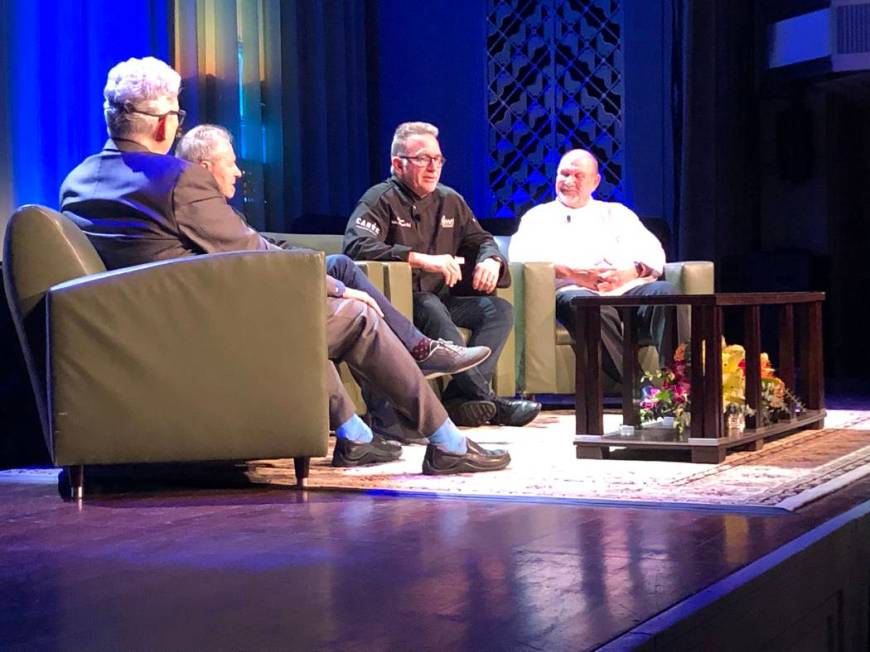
[(555, 80)]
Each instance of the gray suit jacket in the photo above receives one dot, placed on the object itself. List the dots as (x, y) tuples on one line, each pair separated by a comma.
[(137, 207)]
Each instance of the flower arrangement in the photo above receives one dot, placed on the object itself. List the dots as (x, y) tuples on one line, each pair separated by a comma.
[(667, 391)]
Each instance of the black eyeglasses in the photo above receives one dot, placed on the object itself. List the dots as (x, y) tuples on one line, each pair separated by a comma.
[(423, 160), (180, 113)]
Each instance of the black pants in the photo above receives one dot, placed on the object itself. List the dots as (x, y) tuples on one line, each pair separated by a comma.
[(489, 318), (345, 270), (651, 322)]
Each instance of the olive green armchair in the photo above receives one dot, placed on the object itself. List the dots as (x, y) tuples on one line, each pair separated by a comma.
[(545, 357), (394, 280), (215, 357)]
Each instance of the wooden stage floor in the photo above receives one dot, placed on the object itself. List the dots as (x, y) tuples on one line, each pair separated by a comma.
[(274, 569)]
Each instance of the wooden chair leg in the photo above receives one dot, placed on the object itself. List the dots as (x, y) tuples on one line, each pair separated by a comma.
[(76, 481), (301, 466)]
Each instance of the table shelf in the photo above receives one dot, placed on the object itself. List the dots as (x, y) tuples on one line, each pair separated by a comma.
[(800, 313), (706, 450)]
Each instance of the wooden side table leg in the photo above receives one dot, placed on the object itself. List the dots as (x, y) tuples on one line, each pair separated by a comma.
[(591, 452), (588, 397), (713, 372), (812, 358), (581, 370), (630, 369), (594, 393), (708, 455), (752, 342), (786, 346), (698, 337)]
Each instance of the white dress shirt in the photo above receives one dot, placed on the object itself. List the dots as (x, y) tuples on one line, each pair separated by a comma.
[(600, 234)]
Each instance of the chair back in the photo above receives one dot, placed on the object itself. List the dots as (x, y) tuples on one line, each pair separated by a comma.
[(42, 248)]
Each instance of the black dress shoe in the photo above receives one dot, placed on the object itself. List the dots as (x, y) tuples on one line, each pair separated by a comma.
[(470, 413), (514, 412), (377, 451), (475, 459)]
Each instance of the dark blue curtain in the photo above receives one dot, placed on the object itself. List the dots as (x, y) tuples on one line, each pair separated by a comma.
[(57, 55), (325, 112), (54, 57), (717, 137)]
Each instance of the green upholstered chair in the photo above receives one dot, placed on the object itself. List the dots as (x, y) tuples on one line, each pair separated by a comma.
[(216, 357), (394, 280), (545, 357)]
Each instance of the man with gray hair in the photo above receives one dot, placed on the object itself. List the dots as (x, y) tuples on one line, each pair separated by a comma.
[(412, 217), (211, 146), (138, 205)]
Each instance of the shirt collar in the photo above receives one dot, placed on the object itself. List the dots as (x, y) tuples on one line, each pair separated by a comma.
[(124, 145)]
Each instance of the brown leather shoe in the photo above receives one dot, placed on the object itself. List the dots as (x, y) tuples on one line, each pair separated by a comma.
[(377, 451), (474, 460)]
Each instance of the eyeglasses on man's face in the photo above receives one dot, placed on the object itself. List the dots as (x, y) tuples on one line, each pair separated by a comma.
[(424, 160), (180, 113)]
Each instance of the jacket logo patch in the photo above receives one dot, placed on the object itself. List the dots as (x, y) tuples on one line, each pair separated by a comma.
[(400, 222), (447, 222), (369, 226)]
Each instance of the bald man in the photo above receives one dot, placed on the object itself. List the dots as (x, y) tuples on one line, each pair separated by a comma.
[(596, 248)]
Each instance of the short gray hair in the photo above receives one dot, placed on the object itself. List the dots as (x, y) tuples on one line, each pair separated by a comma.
[(199, 143), (137, 83), (407, 129)]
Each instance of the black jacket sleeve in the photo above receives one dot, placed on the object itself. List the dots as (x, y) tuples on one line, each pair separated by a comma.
[(367, 229)]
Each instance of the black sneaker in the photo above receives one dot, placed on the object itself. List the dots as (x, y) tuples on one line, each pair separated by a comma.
[(514, 412), (468, 413), (377, 451), (475, 460), (448, 358)]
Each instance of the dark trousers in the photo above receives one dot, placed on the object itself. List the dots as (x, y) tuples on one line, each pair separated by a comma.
[(355, 334), (651, 322), (341, 267), (489, 318)]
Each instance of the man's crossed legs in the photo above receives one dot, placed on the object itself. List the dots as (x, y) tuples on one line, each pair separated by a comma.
[(358, 336), (435, 357)]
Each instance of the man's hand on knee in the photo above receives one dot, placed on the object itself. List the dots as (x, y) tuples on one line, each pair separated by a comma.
[(359, 295)]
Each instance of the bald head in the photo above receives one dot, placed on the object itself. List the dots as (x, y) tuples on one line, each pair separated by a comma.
[(577, 178)]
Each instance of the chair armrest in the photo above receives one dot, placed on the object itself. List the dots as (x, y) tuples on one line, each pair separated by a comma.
[(325, 242), (536, 327), (220, 356), (374, 271), (691, 276), (504, 379), (398, 287)]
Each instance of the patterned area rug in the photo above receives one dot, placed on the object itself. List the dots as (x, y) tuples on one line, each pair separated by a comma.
[(785, 474)]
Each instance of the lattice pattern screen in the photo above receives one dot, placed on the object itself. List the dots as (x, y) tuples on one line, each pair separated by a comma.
[(555, 83)]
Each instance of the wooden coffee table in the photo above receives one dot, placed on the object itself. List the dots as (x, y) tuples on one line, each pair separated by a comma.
[(799, 365)]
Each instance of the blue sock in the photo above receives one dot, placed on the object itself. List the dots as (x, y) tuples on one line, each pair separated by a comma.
[(449, 439), (354, 429)]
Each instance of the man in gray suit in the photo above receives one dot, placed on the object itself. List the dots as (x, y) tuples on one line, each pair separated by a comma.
[(137, 204), (211, 146)]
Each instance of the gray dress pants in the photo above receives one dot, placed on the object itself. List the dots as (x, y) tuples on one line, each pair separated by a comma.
[(380, 363)]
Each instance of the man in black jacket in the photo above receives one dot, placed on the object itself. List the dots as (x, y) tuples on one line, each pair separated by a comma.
[(412, 217)]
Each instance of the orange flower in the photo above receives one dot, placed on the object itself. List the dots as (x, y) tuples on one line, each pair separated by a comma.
[(766, 368)]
